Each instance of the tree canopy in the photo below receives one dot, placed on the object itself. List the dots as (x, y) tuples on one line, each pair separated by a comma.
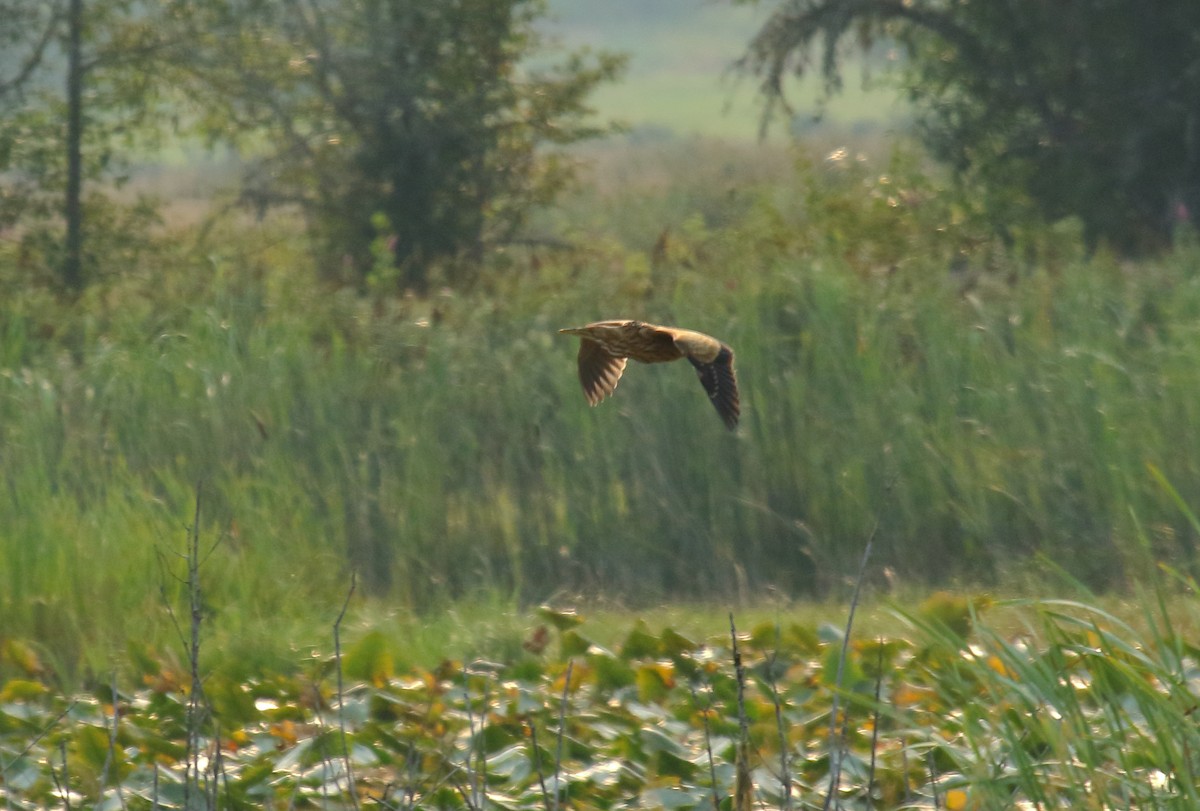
[(1086, 109), (409, 133), (416, 122)]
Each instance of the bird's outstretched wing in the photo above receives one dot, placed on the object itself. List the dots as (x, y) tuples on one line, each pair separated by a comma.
[(599, 372), (719, 381)]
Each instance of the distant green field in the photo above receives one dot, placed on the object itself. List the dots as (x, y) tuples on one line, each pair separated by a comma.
[(680, 78)]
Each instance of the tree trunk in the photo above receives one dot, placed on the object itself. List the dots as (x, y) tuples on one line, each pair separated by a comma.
[(72, 269)]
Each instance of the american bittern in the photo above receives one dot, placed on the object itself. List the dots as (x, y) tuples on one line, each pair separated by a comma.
[(606, 345)]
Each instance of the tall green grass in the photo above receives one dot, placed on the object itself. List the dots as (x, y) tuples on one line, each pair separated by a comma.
[(1078, 710), (976, 422)]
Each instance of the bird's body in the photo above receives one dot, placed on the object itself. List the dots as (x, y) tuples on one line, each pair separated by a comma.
[(605, 347)]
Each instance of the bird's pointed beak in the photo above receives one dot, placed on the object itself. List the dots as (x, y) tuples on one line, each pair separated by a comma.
[(570, 331)]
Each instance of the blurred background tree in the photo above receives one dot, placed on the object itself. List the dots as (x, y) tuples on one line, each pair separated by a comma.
[(1085, 109), (418, 123), (77, 90), (414, 131)]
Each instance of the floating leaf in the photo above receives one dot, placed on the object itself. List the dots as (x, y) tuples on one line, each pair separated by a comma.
[(22, 654), (611, 672), (640, 643), (573, 644), (675, 644), (765, 636), (369, 660), (22, 690), (669, 798), (654, 681), (802, 639), (829, 634), (90, 746), (561, 618)]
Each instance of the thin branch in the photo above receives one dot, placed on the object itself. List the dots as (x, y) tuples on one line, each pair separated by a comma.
[(562, 722), (197, 707), (743, 786), (111, 757), (36, 739), (468, 801), (785, 777), (875, 724), (836, 734), (712, 767), (337, 658), (477, 750), (36, 55), (933, 779), (537, 764), (63, 787)]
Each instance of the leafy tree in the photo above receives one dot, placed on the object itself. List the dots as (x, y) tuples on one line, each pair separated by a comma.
[(76, 83), (26, 33), (418, 123), (1089, 109)]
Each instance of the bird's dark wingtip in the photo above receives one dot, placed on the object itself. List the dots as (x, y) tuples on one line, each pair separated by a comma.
[(720, 383)]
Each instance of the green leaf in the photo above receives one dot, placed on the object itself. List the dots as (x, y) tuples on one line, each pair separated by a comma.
[(573, 643), (560, 618), (612, 673), (22, 690), (369, 660), (654, 682), (640, 643), (675, 644)]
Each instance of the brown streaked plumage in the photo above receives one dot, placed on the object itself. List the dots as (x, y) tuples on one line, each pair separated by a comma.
[(605, 346)]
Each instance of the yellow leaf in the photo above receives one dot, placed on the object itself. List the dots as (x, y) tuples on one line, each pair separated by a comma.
[(907, 695), (22, 690), (23, 656), (285, 731), (956, 799), (996, 664), (653, 681)]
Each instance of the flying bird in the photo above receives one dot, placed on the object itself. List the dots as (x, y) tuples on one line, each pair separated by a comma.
[(605, 346)]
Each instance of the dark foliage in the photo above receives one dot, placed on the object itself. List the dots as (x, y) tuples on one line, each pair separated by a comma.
[(408, 131), (1086, 109)]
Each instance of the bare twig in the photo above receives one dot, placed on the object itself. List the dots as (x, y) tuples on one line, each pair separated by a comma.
[(111, 756), (785, 776), (412, 762), (875, 724), (337, 658), (43, 732), (477, 750), (743, 786), (712, 767), (836, 734), (466, 677), (195, 704), (220, 774), (63, 787), (31, 63), (933, 779), (562, 723), (481, 756), (537, 764), (467, 799)]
